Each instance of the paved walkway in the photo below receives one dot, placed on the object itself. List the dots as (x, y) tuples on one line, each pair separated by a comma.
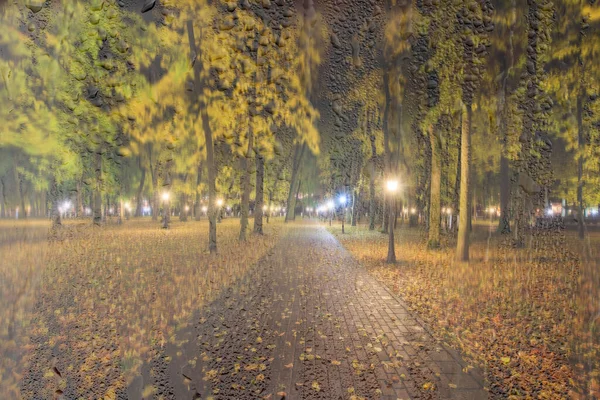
[(309, 323)]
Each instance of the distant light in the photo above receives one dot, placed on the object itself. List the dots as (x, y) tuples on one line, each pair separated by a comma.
[(448, 211), (265, 208), (187, 208), (128, 206), (219, 202), (204, 209), (549, 212), (343, 199), (413, 210), (444, 210), (392, 185), (330, 204), (165, 196)]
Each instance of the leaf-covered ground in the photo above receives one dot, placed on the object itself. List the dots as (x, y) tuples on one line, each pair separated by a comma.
[(105, 298), (512, 312)]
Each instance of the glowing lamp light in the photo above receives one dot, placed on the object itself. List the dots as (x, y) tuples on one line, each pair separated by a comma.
[(128, 206), (204, 209), (392, 185), (330, 204), (187, 208), (265, 208), (165, 196), (449, 211), (413, 210), (343, 199), (220, 202)]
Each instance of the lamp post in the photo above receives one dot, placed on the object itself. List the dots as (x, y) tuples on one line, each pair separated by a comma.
[(392, 188), (343, 203), (166, 212)]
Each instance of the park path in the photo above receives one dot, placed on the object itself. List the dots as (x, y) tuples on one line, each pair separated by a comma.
[(308, 322)]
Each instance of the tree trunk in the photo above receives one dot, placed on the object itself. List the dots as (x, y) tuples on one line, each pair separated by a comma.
[(97, 207), (290, 214), (155, 195), (55, 213), (259, 201), (354, 207), (504, 222), (372, 204), (435, 189), (183, 213), (580, 161), (245, 185), (197, 207), (79, 208), (462, 246), (2, 199), (19, 183), (210, 156), (138, 197), (391, 257)]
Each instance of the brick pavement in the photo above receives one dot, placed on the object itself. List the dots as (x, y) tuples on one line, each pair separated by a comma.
[(310, 323)]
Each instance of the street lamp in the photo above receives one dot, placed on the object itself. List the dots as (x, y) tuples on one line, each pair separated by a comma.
[(392, 188)]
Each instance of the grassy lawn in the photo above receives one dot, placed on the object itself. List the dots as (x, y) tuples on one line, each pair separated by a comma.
[(512, 312), (103, 297)]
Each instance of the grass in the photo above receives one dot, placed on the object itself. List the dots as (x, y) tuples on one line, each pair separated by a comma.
[(102, 297), (515, 313)]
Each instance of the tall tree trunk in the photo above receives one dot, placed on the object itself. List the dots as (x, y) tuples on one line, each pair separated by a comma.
[(504, 222), (291, 203), (55, 213), (259, 201), (197, 207), (2, 198), (435, 189), (138, 196), (354, 207), (462, 246), (372, 204), (79, 208), (208, 139), (245, 185), (97, 207), (155, 194), (580, 161), (19, 183)]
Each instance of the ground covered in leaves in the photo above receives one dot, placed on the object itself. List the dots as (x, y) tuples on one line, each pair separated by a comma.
[(512, 312), (85, 312)]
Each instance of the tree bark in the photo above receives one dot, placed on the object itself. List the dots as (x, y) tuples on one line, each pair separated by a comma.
[(580, 161), (290, 214), (19, 183), (435, 189), (245, 185), (372, 204), (504, 222), (2, 199), (259, 201), (79, 206), (354, 207), (55, 213), (210, 157), (462, 246), (138, 196), (197, 207), (97, 207)]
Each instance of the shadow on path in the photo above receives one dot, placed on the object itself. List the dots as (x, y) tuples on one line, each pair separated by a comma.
[(308, 322)]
